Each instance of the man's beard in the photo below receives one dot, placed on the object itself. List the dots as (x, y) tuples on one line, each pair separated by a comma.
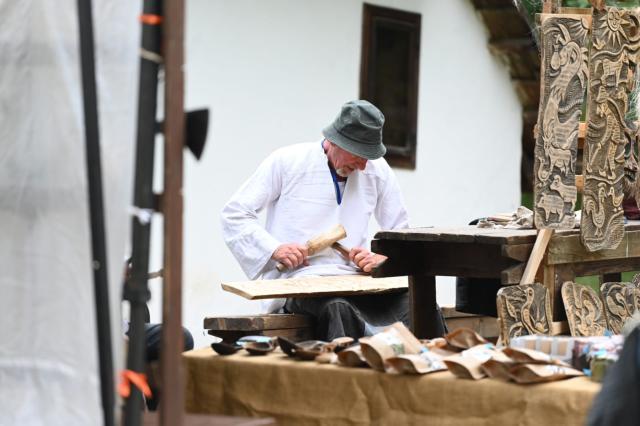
[(343, 172)]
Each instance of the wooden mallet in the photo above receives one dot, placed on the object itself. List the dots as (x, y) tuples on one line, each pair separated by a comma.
[(321, 242)]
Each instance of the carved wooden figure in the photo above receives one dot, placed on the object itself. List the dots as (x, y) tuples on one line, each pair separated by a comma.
[(522, 310), (584, 310), (615, 41), (620, 300), (564, 70)]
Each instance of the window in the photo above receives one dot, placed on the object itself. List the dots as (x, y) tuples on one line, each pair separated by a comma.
[(389, 77)]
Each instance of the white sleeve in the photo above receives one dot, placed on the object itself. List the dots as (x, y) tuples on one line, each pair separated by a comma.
[(245, 236), (390, 211)]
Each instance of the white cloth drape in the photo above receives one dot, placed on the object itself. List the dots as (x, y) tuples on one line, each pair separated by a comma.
[(48, 347)]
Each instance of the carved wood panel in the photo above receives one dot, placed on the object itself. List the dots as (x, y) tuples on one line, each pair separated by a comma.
[(620, 301), (613, 57), (522, 310), (584, 310), (564, 71)]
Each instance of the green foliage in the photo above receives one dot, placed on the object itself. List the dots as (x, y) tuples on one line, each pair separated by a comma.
[(593, 281), (535, 6)]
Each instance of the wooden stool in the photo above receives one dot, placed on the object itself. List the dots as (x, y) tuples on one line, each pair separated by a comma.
[(295, 327)]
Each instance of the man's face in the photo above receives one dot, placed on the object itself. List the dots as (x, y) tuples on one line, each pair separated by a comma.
[(343, 161)]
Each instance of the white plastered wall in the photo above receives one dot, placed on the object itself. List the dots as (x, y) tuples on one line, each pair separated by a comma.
[(276, 72)]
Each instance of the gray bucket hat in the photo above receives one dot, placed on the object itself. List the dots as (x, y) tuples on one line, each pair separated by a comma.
[(358, 130)]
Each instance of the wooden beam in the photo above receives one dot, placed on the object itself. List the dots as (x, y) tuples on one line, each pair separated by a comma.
[(519, 252), (569, 249), (341, 285), (511, 45), (512, 275), (539, 249), (172, 403)]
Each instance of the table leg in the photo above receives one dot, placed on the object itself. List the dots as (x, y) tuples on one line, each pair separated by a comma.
[(426, 321), (611, 278), (554, 277)]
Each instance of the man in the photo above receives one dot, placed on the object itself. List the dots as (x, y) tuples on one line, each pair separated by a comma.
[(307, 189)]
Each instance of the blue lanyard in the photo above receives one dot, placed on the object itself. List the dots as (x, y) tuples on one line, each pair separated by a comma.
[(334, 176)]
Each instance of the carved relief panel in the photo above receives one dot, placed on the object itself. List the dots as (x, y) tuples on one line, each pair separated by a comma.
[(613, 57), (584, 310), (564, 71), (522, 310), (620, 300)]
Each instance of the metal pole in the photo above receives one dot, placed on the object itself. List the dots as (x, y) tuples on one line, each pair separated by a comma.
[(98, 238), (136, 289)]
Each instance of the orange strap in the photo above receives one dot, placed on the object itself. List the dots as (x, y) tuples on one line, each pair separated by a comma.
[(151, 19), (139, 380)]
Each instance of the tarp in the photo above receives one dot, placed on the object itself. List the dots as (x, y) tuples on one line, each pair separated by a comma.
[(48, 348)]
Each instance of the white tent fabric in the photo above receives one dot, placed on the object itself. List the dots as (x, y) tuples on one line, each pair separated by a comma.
[(49, 371)]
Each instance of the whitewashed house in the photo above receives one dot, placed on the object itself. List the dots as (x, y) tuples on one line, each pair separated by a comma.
[(275, 72)]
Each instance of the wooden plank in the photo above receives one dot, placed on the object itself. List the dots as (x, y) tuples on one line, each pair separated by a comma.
[(258, 322), (342, 285), (569, 249), (520, 252), (513, 274), (539, 249)]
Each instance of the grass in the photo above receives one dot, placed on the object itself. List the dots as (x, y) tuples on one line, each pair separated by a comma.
[(593, 281)]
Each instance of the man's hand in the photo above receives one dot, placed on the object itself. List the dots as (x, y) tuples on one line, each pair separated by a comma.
[(364, 259), (291, 255)]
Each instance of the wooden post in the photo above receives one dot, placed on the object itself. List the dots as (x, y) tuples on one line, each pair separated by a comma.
[(425, 318), (172, 403), (551, 6)]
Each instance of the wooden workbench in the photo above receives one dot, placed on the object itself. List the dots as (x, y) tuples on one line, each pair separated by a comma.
[(468, 251)]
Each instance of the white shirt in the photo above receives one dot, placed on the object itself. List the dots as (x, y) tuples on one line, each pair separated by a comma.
[(295, 185)]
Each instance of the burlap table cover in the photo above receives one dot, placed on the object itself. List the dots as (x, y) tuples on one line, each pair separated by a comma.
[(300, 393)]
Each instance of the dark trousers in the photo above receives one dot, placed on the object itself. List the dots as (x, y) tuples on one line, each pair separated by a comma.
[(352, 316), (153, 340)]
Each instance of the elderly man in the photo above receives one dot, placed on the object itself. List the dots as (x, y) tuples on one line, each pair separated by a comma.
[(308, 188)]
